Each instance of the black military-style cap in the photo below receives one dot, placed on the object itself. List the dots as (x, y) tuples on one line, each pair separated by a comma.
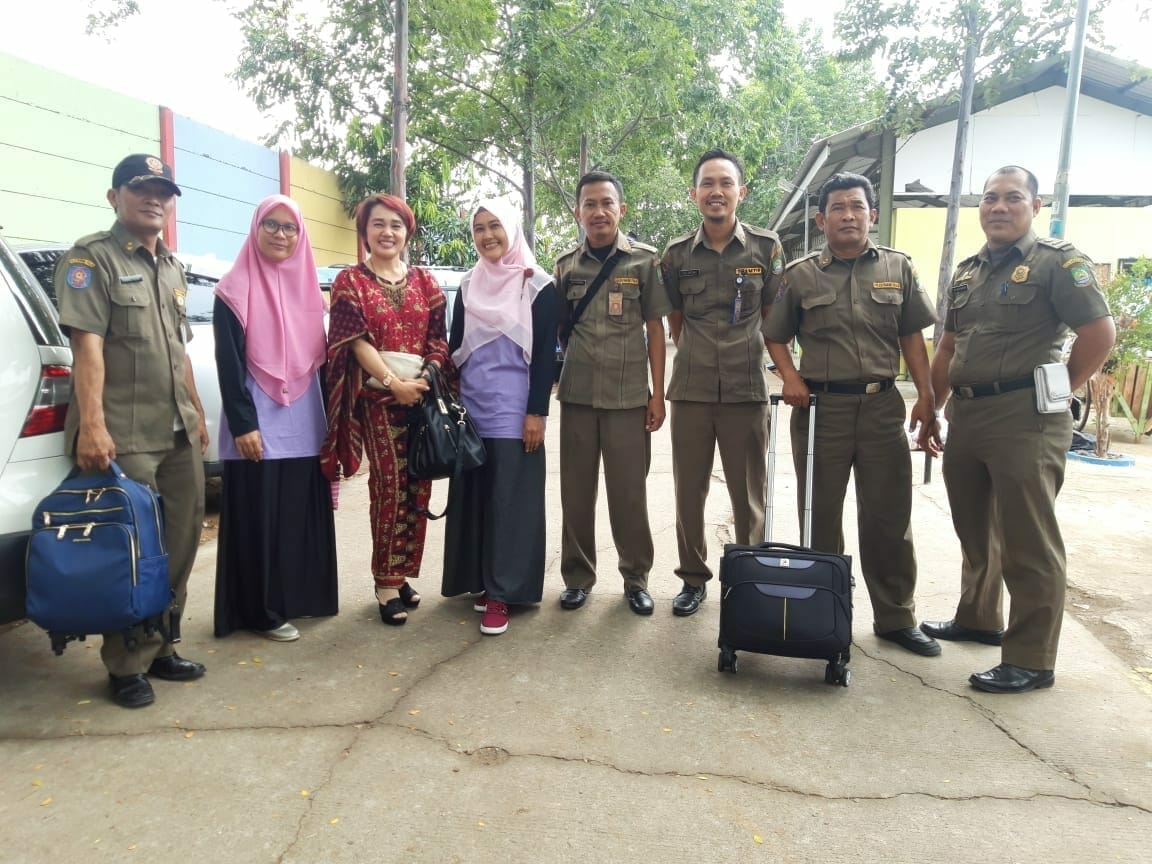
[(140, 167)]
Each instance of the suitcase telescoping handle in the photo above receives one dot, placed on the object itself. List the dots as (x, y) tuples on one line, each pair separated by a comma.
[(774, 401)]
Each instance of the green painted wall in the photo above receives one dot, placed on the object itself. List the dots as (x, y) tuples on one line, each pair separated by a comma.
[(59, 140)]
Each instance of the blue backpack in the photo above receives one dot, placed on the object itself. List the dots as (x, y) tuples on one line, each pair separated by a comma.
[(97, 562)]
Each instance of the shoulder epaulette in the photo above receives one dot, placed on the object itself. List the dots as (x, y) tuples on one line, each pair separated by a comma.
[(896, 251), (92, 238), (815, 253), (757, 231), (567, 254), (643, 247), (1056, 243), (683, 238)]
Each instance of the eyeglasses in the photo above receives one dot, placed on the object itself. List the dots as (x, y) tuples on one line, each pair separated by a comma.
[(271, 227)]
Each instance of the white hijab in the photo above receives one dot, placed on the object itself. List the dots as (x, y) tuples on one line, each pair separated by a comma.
[(498, 295)]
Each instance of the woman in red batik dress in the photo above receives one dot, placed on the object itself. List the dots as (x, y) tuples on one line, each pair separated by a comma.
[(383, 305)]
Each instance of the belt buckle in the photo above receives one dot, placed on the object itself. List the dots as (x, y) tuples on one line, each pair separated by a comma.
[(872, 387), (966, 392)]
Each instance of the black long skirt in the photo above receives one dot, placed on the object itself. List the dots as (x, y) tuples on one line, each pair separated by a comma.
[(495, 537), (276, 552)]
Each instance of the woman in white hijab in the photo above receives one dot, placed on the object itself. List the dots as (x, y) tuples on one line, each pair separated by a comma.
[(503, 341)]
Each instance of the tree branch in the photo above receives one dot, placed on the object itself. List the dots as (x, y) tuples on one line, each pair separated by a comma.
[(469, 158)]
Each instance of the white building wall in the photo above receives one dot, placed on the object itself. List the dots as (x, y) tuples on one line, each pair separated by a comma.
[(1111, 151)]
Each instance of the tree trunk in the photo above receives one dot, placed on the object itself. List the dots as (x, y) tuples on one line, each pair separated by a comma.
[(400, 102), (1103, 386), (529, 165), (952, 219)]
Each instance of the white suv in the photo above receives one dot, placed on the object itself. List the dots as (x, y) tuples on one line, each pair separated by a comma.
[(36, 379)]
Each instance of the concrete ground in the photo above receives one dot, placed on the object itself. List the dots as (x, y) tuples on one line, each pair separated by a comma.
[(598, 736)]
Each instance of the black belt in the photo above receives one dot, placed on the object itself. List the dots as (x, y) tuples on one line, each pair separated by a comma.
[(851, 388), (975, 391)]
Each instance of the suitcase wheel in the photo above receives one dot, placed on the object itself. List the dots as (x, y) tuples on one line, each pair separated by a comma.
[(837, 673), (726, 662)]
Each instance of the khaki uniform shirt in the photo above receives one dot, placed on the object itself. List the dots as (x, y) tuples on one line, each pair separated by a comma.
[(720, 356), (109, 285), (850, 315), (1013, 316), (606, 361)]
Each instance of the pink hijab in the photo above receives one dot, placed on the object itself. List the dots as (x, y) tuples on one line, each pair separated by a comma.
[(281, 309), (498, 296)]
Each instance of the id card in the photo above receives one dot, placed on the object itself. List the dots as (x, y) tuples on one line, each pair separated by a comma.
[(616, 303), (737, 304)]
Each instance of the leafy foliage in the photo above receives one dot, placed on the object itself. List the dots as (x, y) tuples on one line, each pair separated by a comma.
[(503, 93), (924, 43), (1130, 299)]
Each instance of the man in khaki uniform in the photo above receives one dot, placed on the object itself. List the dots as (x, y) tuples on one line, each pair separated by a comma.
[(855, 307), (720, 279), (606, 407), (1009, 307), (121, 296)]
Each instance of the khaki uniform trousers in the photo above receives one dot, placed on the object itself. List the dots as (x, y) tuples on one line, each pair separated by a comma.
[(178, 475), (1004, 460), (618, 435), (863, 436), (740, 429)]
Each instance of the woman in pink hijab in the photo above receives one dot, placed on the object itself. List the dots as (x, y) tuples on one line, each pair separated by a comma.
[(276, 556), (503, 341)]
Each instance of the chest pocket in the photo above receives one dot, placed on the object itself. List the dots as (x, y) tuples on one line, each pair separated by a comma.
[(885, 309), (575, 290), (694, 297), (819, 316), (751, 296), (1015, 306), (130, 307)]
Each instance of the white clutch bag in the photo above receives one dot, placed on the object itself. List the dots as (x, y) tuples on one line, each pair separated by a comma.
[(402, 365), (1053, 389)]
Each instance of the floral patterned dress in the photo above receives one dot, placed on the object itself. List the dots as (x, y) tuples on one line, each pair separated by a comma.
[(408, 318)]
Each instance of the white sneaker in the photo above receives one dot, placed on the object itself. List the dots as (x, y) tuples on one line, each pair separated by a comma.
[(284, 633)]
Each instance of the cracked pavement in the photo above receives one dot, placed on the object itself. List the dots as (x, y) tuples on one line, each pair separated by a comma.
[(585, 736)]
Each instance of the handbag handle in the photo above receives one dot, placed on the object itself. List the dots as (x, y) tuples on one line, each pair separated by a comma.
[(437, 385), (113, 469)]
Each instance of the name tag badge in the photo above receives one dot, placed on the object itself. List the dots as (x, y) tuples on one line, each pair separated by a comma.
[(128, 280), (736, 306), (577, 282), (616, 303), (887, 286), (684, 273)]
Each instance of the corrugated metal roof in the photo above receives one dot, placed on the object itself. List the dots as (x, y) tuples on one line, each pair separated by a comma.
[(858, 149)]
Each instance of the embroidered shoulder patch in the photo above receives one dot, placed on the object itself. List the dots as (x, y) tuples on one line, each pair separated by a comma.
[(79, 276), (1081, 275)]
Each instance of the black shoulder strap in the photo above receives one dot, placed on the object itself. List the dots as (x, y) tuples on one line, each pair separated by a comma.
[(605, 270)]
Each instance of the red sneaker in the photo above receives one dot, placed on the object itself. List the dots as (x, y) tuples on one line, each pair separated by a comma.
[(495, 620), (480, 602)]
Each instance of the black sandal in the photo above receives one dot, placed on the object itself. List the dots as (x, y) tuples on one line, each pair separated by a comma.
[(408, 596), (391, 611)]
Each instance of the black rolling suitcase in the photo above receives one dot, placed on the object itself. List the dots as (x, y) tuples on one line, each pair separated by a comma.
[(786, 600)]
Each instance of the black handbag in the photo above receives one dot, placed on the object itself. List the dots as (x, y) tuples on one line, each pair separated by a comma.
[(442, 441)]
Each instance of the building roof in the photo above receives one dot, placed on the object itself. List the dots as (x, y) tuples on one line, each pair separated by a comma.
[(858, 149)]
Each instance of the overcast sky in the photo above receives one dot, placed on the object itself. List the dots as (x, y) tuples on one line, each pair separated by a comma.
[(180, 53)]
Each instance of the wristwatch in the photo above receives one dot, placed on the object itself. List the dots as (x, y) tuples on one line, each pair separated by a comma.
[(387, 382)]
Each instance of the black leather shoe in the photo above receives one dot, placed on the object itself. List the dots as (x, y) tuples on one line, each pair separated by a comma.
[(176, 668), (912, 639), (572, 598), (1007, 678), (689, 599), (640, 602), (954, 632), (131, 691)]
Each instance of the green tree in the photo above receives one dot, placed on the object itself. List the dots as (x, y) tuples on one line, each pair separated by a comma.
[(510, 88), (951, 52)]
